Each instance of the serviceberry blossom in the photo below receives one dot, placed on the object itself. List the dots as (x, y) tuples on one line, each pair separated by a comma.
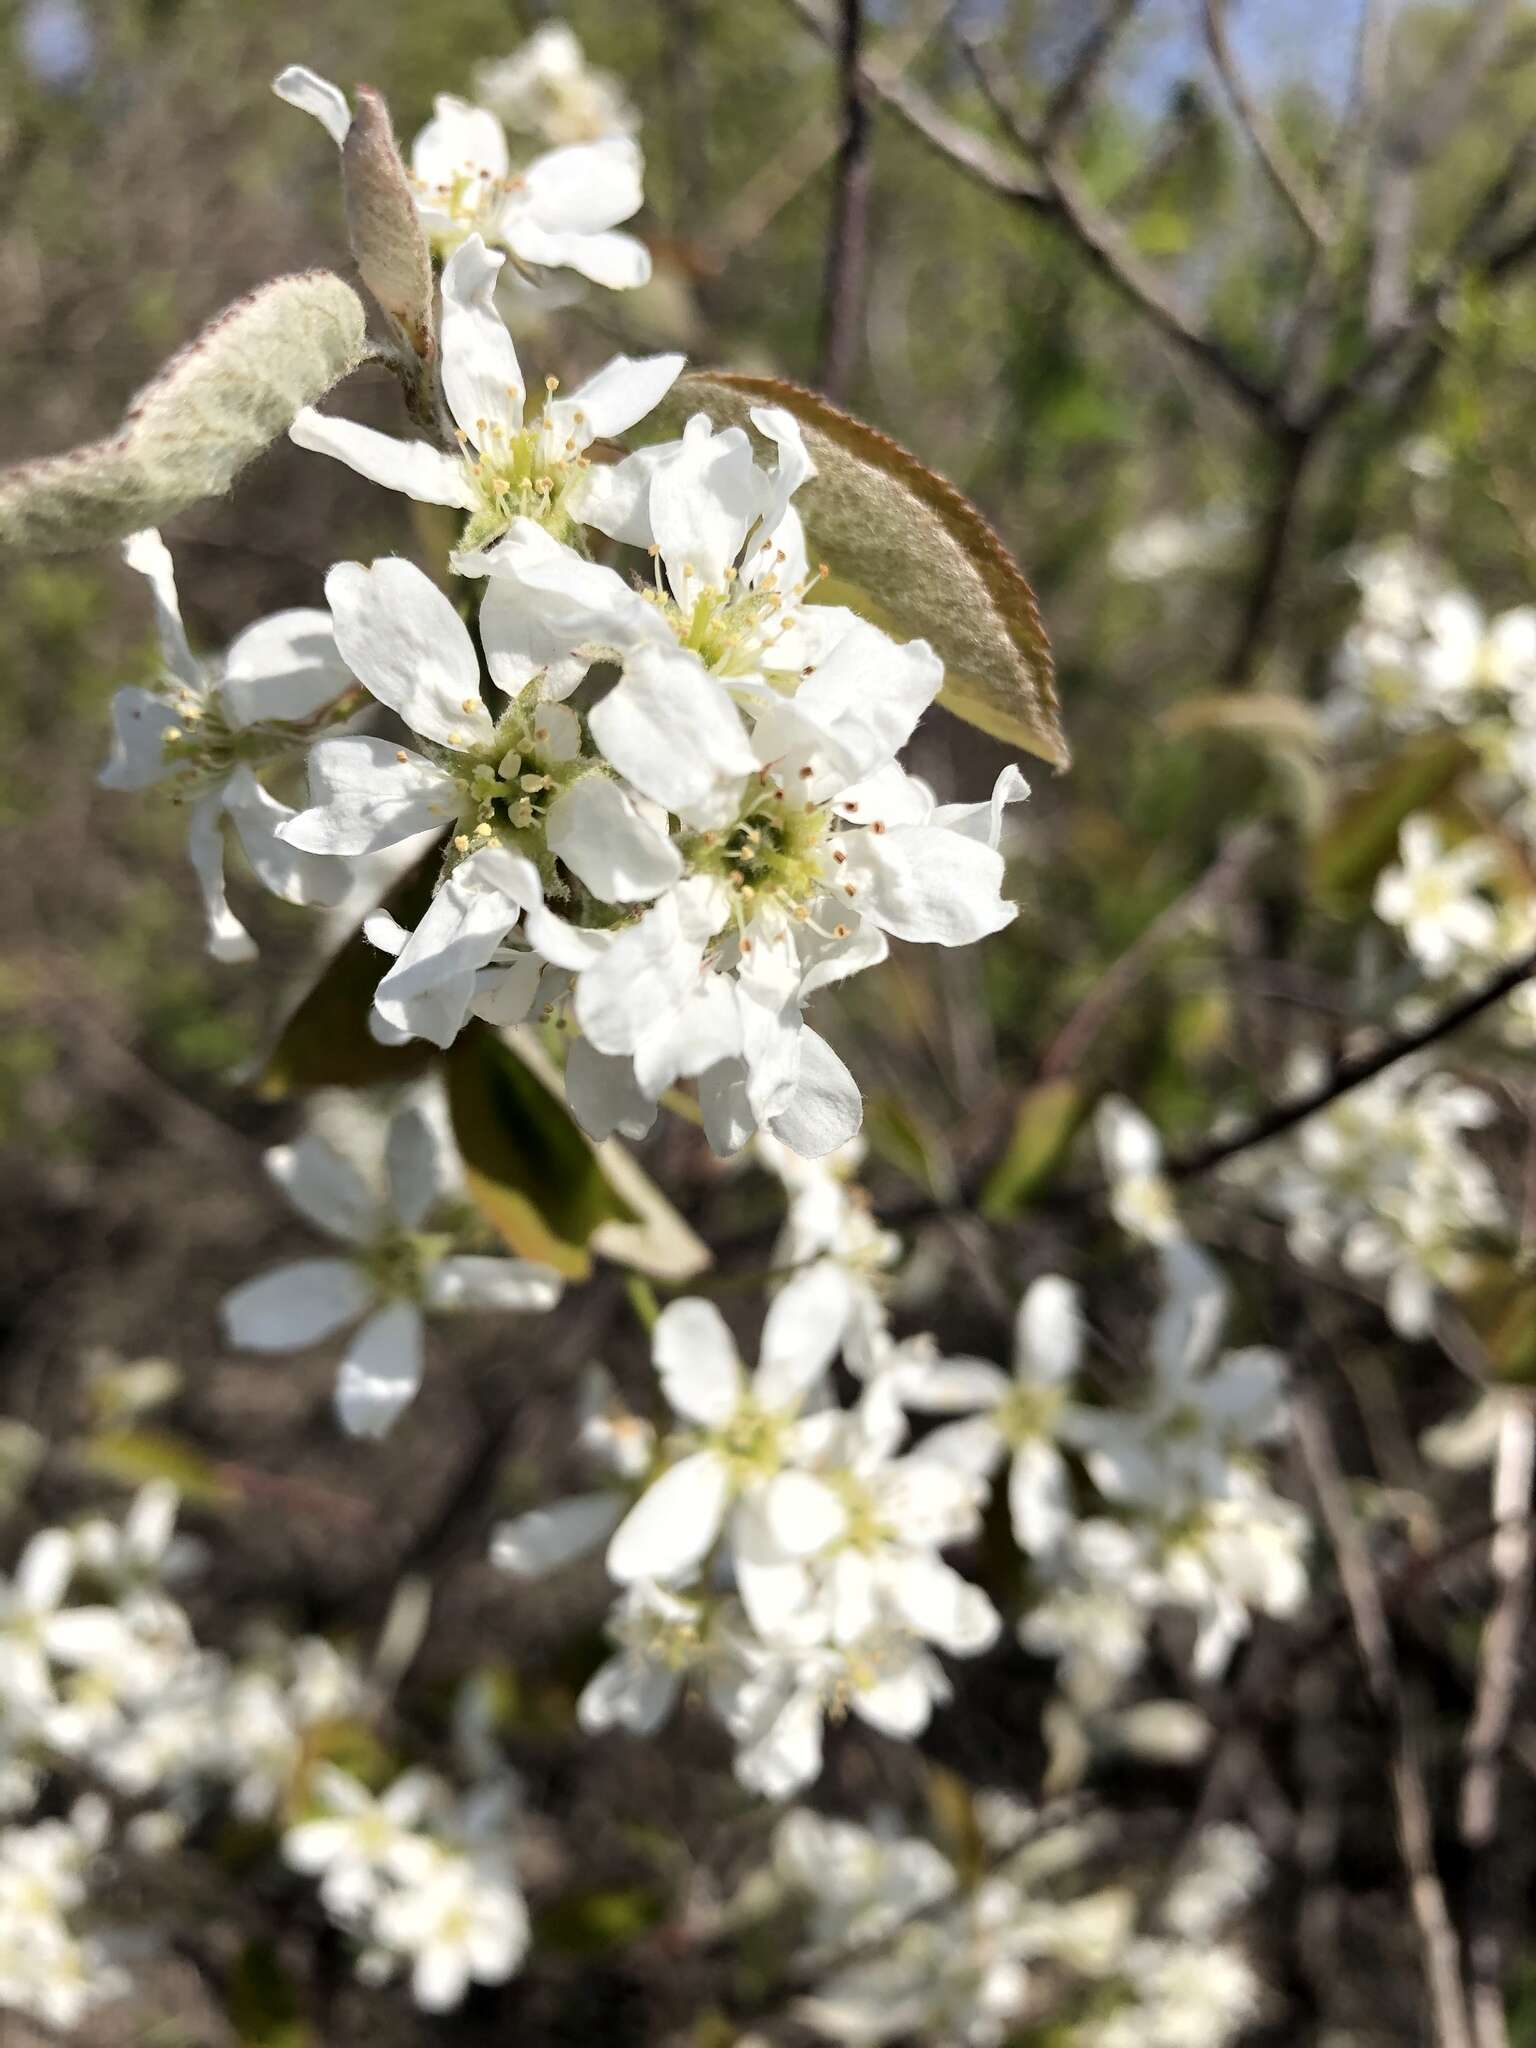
[(397, 1269), (1435, 896), (1141, 1198), (1026, 1418), (830, 1222), (511, 463), (52, 1969), (38, 1632), (559, 211), (206, 733), (547, 88), (1383, 1182)]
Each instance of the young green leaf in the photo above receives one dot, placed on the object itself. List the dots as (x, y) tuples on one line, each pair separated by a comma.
[(909, 551), (1361, 837), (212, 409)]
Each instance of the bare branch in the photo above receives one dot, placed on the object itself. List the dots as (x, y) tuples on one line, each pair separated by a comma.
[(1440, 1949), (1353, 1073), (1286, 174), (843, 290), (1411, 143), (1072, 90), (1487, 1736)]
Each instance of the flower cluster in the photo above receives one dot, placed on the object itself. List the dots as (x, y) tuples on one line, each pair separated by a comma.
[(900, 1945), (784, 1551), (1383, 1183)]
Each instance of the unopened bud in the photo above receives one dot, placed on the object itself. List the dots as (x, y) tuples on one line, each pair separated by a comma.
[(382, 223)]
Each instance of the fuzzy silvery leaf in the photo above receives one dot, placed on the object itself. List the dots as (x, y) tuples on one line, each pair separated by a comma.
[(907, 550), (213, 408)]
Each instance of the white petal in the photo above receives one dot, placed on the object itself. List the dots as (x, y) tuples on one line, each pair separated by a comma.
[(421, 1163), (294, 1306), (922, 883), (429, 989), (948, 1610), (642, 977), (148, 554), (801, 1334), (673, 1525), (381, 1371), (1039, 1500), (1188, 1323), (802, 1514), (899, 1703), (601, 1093), (974, 1446), (472, 1282), (826, 1109), (547, 1538), (325, 1188), (622, 392), (695, 1354), (628, 1692), (703, 501), (1048, 1332), (602, 838), (543, 602), (403, 639), (948, 1385), (866, 696), (459, 136), (985, 821), (670, 729), (140, 722), (364, 796), (286, 666), (585, 187), (284, 870), (482, 380), (787, 1753), (616, 497), (416, 468), (228, 939), (44, 1570), (312, 94)]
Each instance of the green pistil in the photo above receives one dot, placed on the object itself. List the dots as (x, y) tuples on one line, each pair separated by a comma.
[(749, 1443), (398, 1266), (774, 853), (518, 475), (1026, 1413)]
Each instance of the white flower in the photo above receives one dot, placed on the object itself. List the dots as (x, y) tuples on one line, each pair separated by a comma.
[(830, 1219), (37, 1630), (510, 465), (557, 212), (143, 1548), (1141, 1199), (737, 1460), (395, 1270), (1095, 1613), (864, 1885), (357, 1840), (1027, 1416), (660, 1638), (1433, 896), (547, 87), (206, 734), (462, 1922), (1176, 1450)]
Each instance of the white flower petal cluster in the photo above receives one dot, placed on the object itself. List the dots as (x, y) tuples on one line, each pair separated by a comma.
[(559, 211), (418, 1877), (400, 1265), (1436, 895), (1384, 1183), (53, 1969), (963, 1961), (207, 733), (830, 1222), (546, 87)]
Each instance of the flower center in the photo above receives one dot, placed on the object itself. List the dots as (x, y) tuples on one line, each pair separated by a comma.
[(750, 1443), (773, 854), (520, 472), (1026, 1413), (398, 1266)]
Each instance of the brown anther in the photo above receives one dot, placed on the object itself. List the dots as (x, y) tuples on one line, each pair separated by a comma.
[(840, 931), (877, 825), (401, 754), (852, 806), (807, 772), (849, 889), (838, 855)]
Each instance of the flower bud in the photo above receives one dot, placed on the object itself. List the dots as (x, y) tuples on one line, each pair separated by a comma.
[(382, 224)]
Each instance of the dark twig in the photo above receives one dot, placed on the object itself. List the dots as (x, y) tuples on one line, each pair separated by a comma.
[(1286, 173), (1440, 1949), (1353, 1073), (843, 290)]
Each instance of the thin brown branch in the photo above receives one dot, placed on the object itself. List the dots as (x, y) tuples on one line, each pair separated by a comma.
[(847, 241), (1493, 1712), (1073, 89), (1286, 173), (1352, 1073), (1054, 191), (1439, 1946)]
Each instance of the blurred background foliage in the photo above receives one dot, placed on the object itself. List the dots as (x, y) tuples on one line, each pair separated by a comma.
[(1194, 597)]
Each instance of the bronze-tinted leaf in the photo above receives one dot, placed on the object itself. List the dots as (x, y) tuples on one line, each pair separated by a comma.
[(908, 550), (1361, 837)]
